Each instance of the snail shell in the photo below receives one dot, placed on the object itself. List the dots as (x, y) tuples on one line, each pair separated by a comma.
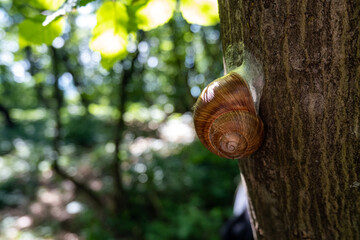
[(225, 118)]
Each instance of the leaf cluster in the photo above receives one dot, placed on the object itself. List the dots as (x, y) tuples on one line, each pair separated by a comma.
[(117, 21)]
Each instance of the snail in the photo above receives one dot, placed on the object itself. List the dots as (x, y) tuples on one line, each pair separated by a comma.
[(226, 119)]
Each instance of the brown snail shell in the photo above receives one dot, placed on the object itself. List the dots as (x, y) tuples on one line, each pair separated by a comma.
[(225, 118)]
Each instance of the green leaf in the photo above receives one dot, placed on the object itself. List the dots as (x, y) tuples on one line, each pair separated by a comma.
[(34, 33), (155, 13), (202, 12), (110, 36), (126, 2), (138, 2), (46, 4), (82, 3)]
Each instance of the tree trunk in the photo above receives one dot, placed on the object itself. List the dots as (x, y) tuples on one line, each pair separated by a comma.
[(304, 182)]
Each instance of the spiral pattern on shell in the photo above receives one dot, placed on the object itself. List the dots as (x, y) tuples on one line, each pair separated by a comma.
[(225, 118)]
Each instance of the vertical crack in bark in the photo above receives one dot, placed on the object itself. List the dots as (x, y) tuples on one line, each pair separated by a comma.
[(324, 57), (337, 22), (306, 226), (290, 197)]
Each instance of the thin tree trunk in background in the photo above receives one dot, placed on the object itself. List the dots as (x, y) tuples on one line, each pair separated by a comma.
[(304, 182), (120, 197), (59, 99), (6, 113)]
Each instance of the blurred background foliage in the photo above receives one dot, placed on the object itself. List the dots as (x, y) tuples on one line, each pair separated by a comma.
[(96, 134)]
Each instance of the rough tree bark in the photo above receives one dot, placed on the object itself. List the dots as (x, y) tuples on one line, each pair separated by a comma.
[(304, 182)]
